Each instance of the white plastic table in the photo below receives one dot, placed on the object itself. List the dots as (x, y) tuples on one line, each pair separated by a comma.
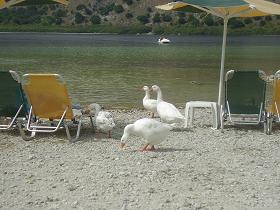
[(189, 111)]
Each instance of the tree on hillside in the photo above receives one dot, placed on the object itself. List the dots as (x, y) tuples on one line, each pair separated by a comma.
[(181, 21), (166, 17), (118, 8), (143, 19), (106, 9), (156, 18), (95, 19), (128, 2), (79, 18), (129, 15), (235, 23)]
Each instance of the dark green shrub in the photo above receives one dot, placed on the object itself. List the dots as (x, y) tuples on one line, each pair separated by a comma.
[(181, 14), (129, 15), (60, 13), (128, 2), (103, 11), (208, 20), (235, 23), (95, 19), (262, 23), (143, 19), (248, 20), (156, 18), (166, 18), (88, 11), (192, 20), (31, 10), (108, 8), (52, 6), (118, 8), (149, 9), (158, 30), (47, 20), (268, 18), (43, 10), (79, 18), (58, 21), (181, 20), (81, 7), (257, 18)]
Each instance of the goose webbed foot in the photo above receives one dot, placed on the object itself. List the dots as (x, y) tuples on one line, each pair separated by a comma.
[(148, 147), (144, 148), (152, 148)]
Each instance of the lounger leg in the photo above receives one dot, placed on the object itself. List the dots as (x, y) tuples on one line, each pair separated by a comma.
[(191, 116), (213, 117), (78, 131), (222, 118), (186, 115), (91, 122), (268, 124)]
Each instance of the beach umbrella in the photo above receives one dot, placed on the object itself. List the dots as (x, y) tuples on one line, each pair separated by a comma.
[(13, 3), (224, 9)]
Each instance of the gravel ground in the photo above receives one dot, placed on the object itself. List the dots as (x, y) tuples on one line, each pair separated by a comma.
[(197, 168)]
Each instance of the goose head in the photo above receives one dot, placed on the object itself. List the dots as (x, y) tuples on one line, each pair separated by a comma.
[(128, 130), (146, 88), (94, 108), (156, 89)]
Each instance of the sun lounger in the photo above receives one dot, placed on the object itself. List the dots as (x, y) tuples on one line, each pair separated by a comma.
[(13, 104), (50, 105), (274, 109), (244, 98)]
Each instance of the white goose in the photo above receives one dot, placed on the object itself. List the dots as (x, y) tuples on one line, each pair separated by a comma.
[(167, 112), (152, 131), (149, 104), (104, 120)]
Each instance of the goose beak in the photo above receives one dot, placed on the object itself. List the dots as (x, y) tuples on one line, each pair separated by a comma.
[(122, 145)]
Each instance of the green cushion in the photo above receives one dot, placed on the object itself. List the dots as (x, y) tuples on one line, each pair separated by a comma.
[(11, 96), (245, 92)]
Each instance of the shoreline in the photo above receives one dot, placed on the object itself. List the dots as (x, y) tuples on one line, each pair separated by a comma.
[(269, 29), (196, 168)]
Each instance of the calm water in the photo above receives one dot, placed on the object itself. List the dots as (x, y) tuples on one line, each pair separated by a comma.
[(110, 69)]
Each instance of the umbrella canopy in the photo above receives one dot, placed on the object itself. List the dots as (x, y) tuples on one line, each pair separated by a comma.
[(225, 9), (11, 3)]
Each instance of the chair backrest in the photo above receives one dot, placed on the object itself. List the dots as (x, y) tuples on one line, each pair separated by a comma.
[(48, 96), (11, 95), (245, 91), (276, 94)]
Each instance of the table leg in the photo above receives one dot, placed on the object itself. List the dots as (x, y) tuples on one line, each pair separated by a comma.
[(186, 114)]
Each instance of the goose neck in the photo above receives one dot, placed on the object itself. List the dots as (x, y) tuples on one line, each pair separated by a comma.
[(147, 94), (159, 95), (97, 109)]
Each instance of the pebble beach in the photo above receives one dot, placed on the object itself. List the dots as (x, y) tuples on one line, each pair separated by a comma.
[(194, 168)]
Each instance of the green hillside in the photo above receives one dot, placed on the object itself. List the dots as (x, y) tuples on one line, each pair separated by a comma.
[(125, 16)]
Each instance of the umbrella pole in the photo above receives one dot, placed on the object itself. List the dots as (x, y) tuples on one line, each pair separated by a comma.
[(222, 73)]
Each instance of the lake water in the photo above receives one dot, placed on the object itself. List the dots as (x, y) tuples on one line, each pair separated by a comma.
[(110, 69)]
